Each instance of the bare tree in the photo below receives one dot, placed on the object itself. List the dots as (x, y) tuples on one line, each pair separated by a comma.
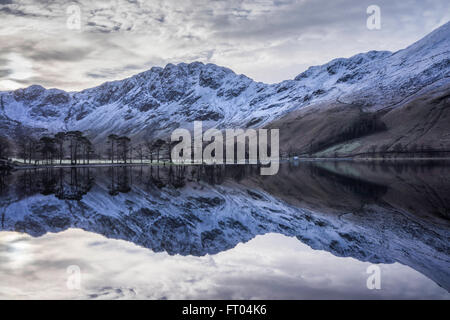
[(170, 144), (22, 148), (123, 147), (112, 138), (5, 148), (139, 149), (75, 140), (148, 147), (26, 147), (158, 144), (47, 149), (59, 140), (89, 150), (79, 145)]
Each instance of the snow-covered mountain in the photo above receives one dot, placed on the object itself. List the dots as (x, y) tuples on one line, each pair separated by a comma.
[(155, 102)]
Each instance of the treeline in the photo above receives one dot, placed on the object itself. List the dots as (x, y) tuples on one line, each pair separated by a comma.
[(121, 150), (76, 148), (5, 148), (70, 145), (414, 149)]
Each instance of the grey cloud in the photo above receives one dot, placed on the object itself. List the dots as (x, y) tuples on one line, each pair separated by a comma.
[(161, 19), (5, 72), (131, 67), (70, 55), (208, 54), (98, 75), (14, 12), (99, 27), (111, 73)]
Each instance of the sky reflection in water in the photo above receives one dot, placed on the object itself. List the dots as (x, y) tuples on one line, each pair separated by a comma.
[(268, 267)]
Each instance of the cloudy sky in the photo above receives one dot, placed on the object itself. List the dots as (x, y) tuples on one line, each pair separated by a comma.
[(41, 41)]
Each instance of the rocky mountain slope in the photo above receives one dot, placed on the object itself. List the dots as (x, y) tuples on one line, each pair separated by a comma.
[(418, 126), (157, 101)]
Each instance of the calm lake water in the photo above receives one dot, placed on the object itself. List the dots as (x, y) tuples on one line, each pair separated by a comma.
[(312, 231)]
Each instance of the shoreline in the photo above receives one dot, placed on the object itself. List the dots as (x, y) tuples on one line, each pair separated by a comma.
[(105, 165)]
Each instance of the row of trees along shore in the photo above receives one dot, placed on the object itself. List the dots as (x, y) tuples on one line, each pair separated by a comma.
[(75, 148)]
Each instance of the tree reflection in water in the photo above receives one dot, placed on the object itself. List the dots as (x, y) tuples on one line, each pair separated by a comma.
[(74, 183)]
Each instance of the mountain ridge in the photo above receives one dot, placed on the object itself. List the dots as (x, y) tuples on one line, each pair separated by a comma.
[(155, 102)]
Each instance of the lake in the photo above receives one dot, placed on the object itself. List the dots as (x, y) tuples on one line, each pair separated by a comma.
[(317, 229)]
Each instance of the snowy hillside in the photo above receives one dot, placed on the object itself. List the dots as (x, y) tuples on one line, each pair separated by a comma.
[(155, 102)]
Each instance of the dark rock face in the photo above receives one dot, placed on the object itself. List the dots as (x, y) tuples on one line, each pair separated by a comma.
[(48, 113), (207, 116), (57, 98), (211, 76), (148, 105), (29, 94), (204, 202), (253, 122)]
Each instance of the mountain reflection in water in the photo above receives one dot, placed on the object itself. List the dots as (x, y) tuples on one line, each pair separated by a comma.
[(377, 212)]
